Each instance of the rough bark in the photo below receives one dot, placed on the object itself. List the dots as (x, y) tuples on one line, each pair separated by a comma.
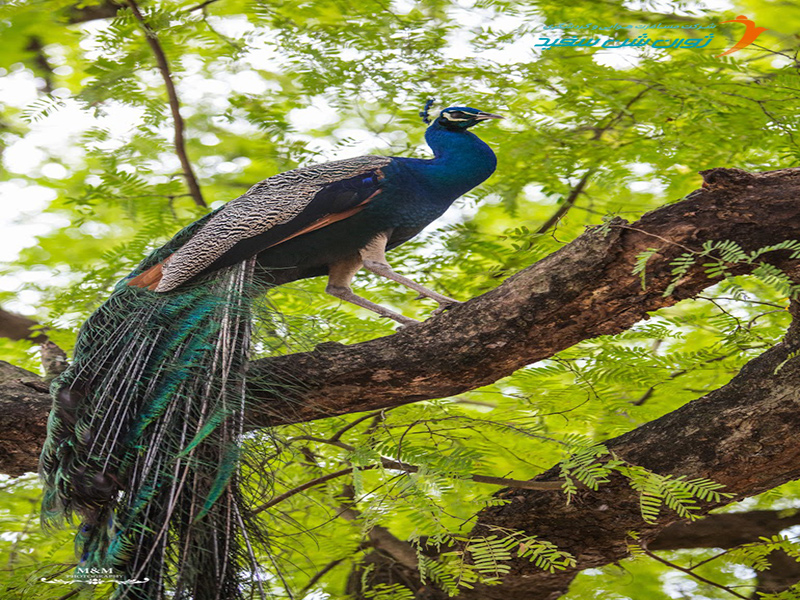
[(726, 530), (783, 573), (745, 435), (734, 529), (587, 288), (23, 419)]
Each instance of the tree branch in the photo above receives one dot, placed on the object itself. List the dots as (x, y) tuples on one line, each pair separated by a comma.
[(24, 404), (726, 530), (18, 327), (201, 6), (745, 435), (83, 14), (734, 529), (174, 104), (577, 190), (586, 289), (406, 468), (109, 9), (783, 573), (567, 204), (379, 537), (691, 573)]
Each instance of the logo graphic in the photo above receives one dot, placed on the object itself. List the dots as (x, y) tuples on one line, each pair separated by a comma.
[(95, 576), (750, 34)]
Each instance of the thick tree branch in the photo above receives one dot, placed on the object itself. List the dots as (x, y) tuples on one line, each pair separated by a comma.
[(24, 404), (174, 104), (726, 530), (783, 573), (586, 289), (746, 435), (19, 327), (734, 529)]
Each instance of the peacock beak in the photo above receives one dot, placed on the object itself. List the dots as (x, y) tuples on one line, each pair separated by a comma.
[(482, 116)]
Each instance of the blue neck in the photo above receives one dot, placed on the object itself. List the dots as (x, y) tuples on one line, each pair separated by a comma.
[(461, 162)]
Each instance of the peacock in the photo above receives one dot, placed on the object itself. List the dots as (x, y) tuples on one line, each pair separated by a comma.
[(144, 440)]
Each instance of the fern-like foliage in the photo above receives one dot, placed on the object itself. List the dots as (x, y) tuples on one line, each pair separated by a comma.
[(675, 493), (720, 256)]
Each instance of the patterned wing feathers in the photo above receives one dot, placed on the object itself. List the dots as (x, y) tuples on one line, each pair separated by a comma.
[(291, 203), (327, 220)]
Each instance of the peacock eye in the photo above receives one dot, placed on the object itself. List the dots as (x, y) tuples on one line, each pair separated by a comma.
[(456, 115)]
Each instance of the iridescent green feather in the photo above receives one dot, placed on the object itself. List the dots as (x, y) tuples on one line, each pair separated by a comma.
[(144, 438)]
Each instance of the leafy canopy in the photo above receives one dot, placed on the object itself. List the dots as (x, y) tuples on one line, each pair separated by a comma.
[(87, 136)]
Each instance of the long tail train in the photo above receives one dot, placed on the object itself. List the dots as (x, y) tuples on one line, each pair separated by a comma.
[(144, 440)]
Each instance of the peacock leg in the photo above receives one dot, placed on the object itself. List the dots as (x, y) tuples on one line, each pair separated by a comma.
[(384, 270), (374, 258), (340, 274)]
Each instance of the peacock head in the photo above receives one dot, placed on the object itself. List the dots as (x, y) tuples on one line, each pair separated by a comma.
[(461, 118)]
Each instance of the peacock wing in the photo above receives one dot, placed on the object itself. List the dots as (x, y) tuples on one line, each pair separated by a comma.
[(275, 210)]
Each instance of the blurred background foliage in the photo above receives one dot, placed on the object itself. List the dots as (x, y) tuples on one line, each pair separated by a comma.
[(91, 183)]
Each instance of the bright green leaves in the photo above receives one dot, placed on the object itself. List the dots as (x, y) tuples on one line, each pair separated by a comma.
[(656, 492), (675, 493), (245, 70), (719, 257)]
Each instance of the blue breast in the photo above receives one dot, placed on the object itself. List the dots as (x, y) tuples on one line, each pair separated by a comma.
[(417, 191)]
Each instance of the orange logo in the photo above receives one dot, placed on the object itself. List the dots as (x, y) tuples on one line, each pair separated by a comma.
[(750, 34)]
